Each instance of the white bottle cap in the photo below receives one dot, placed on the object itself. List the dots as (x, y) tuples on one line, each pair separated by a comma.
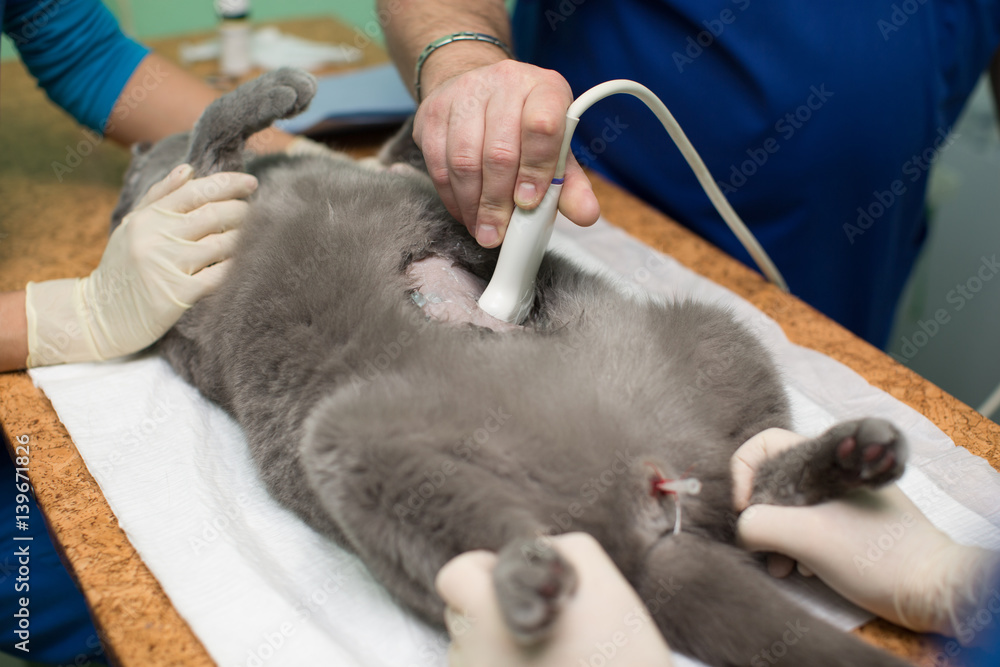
[(232, 9)]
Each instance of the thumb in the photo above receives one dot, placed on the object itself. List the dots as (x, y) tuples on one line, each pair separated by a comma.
[(776, 528), (466, 581), (577, 200)]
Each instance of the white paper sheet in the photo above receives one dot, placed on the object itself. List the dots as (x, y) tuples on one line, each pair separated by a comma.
[(258, 587)]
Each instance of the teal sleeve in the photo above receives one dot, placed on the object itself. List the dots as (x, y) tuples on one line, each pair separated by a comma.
[(76, 51)]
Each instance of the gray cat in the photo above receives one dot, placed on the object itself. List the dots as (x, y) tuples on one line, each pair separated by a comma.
[(392, 416)]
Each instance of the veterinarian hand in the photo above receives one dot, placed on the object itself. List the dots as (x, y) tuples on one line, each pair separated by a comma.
[(874, 547), (603, 618), (491, 136), (168, 252)]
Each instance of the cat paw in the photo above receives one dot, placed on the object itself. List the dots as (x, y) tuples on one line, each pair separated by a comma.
[(533, 583), (870, 454), (286, 92)]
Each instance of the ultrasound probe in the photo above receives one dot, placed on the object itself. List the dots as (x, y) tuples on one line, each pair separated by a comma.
[(510, 293)]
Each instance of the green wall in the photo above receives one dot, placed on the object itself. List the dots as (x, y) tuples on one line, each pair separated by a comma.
[(145, 19)]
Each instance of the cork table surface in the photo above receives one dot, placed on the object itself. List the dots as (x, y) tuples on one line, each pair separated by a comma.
[(53, 224)]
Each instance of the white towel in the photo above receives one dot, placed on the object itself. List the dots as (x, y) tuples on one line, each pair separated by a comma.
[(258, 587)]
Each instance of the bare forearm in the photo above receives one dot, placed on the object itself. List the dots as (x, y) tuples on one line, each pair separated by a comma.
[(413, 24), (161, 99), (13, 331)]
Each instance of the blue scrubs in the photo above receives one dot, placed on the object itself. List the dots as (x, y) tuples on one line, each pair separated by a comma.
[(819, 120), (82, 61)]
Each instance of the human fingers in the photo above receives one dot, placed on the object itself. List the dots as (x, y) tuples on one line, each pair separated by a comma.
[(430, 134), (872, 547), (464, 157), (211, 249), (821, 534), (212, 218), (543, 124), (208, 279), (748, 458), (779, 565), (472, 613), (772, 528), (577, 200), (466, 581), (177, 177), (499, 168), (217, 187)]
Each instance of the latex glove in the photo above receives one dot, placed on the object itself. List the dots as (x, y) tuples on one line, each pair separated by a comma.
[(167, 253), (491, 136), (604, 617), (873, 547)]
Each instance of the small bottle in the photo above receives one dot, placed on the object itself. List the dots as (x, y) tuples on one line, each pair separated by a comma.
[(234, 37)]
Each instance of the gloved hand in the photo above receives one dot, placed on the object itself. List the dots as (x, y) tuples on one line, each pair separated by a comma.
[(603, 618), (873, 547), (167, 253)]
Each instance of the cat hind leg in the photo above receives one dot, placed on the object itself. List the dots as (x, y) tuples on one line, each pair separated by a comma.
[(218, 138), (533, 583), (865, 453), (216, 143), (713, 603), (407, 506)]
